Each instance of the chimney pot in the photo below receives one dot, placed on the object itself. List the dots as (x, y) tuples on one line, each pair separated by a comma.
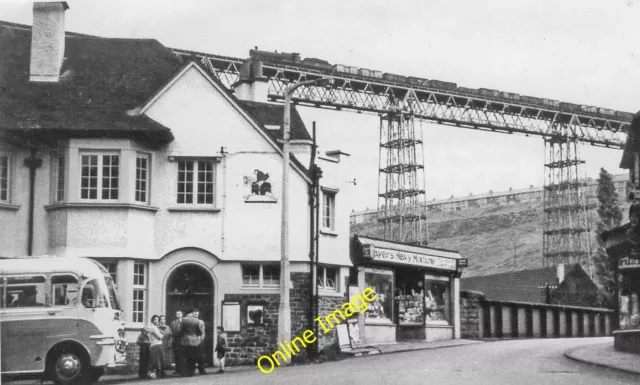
[(256, 69), (47, 41)]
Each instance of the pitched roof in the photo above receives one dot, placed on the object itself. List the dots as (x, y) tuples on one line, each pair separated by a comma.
[(269, 114), (101, 80), (518, 286)]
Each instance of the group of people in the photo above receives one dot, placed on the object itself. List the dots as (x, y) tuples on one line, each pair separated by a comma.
[(184, 338)]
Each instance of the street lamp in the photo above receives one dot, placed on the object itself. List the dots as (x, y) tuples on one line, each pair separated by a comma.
[(284, 310)]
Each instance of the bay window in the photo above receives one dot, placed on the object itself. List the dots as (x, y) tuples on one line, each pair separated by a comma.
[(99, 176)]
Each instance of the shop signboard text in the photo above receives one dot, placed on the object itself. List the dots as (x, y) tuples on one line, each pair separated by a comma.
[(406, 258)]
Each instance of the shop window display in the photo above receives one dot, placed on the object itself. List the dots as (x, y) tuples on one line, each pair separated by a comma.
[(437, 301), (410, 297), (381, 309)]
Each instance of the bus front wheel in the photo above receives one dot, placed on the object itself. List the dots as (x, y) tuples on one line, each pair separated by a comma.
[(69, 367)]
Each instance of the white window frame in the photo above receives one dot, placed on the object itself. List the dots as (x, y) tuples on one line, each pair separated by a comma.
[(7, 189), (261, 280), (195, 184), (329, 194), (140, 288), (322, 278), (99, 186), (147, 170)]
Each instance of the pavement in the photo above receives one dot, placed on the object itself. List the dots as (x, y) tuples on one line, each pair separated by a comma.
[(379, 349), (604, 355)]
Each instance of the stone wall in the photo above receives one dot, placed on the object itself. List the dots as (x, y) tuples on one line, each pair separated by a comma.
[(328, 305), (253, 341), (470, 313)]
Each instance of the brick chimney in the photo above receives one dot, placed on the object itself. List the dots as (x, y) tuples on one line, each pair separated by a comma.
[(252, 85), (47, 41)]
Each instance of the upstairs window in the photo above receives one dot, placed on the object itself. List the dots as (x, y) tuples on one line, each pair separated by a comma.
[(99, 176), (60, 170), (142, 178), (4, 178), (328, 210), (195, 182)]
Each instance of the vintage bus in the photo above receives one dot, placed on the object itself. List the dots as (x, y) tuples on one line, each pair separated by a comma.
[(59, 319)]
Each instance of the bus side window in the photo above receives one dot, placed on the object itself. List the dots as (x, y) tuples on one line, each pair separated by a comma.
[(64, 290), (25, 291)]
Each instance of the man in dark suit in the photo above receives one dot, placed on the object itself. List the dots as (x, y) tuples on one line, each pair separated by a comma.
[(176, 345), (190, 331), (201, 352)]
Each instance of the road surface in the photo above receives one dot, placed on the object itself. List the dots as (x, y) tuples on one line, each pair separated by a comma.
[(515, 362)]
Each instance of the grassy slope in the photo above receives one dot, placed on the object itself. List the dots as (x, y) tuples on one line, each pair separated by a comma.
[(487, 237)]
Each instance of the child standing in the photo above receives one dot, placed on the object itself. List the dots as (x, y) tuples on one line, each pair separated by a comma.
[(221, 347)]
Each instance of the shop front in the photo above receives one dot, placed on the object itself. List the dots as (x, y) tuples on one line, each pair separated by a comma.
[(622, 245), (417, 291)]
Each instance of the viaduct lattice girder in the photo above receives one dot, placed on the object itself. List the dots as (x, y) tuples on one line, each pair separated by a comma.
[(448, 107)]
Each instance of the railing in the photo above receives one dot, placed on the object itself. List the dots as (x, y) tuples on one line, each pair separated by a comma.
[(483, 318)]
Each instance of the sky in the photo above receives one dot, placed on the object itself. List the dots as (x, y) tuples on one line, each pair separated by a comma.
[(578, 51)]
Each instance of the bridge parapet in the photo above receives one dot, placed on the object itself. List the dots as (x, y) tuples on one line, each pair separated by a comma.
[(482, 318)]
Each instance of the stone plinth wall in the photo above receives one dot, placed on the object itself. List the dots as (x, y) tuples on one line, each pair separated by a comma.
[(253, 341), (627, 341), (470, 321), (328, 305)]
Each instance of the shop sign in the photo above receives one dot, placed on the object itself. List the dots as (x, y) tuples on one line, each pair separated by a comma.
[(629, 263), (406, 258)]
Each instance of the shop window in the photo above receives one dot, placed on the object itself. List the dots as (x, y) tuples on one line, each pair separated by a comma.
[(381, 309), (99, 176), (410, 296), (437, 300), (5, 176), (261, 276), (195, 182), (139, 291), (328, 278), (64, 290), (26, 291)]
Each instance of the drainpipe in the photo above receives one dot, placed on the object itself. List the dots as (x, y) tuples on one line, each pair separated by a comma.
[(316, 192), (33, 163), (312, 352)]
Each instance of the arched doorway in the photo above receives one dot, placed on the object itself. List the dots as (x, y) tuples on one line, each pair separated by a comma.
[(191, 286)]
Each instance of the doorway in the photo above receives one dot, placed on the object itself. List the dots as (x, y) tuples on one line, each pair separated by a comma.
[(191, 286)]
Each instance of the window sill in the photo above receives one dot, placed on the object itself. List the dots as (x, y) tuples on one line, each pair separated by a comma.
[(328, 232), (97, 205), (260, 288), (7, 206), (207, 209)]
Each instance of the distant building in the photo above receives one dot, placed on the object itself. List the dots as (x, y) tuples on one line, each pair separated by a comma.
[(554, 285), (494, 199)]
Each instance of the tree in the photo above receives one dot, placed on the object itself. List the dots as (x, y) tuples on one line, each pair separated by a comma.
[(610, 216)]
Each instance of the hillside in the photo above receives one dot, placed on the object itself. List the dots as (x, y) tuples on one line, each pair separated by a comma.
[(495, 240)]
